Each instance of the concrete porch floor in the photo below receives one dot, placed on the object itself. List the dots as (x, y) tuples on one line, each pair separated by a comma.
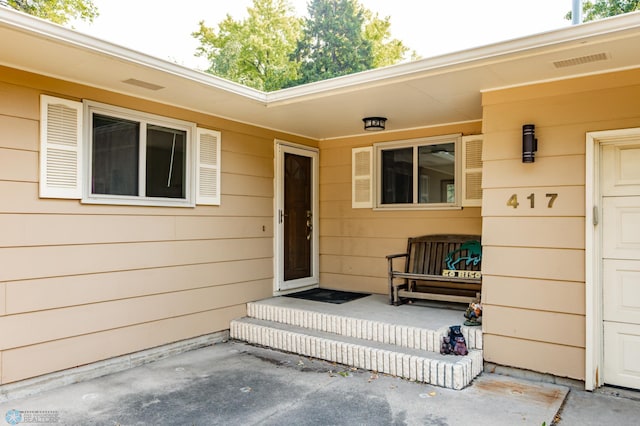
[(376, 307)]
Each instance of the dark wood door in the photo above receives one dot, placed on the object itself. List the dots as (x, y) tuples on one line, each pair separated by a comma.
[(298, 219)]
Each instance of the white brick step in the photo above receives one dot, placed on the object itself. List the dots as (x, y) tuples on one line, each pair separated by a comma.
[(449, 371), (403, 335)]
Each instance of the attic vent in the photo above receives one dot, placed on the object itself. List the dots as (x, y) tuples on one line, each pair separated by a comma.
[(143, 84), (581, 60)]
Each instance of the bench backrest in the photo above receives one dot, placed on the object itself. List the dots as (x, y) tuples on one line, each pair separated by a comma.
[(428, 253)]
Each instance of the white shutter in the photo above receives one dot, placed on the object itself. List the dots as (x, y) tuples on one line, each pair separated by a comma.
[(208, 173), (60, 148), (472, 171), (362, 177)]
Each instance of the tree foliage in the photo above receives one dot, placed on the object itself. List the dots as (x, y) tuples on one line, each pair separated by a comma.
[(273, 49), (334, 42), (385, 51), (255, 51), (58, 11), (599, 9)]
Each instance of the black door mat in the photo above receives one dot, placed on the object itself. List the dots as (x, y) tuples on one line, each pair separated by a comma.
[(336, 297)]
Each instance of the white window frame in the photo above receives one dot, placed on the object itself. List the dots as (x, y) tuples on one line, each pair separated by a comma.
[(91, 107), (414, 143)]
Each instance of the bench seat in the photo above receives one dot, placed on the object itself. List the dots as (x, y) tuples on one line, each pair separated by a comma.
[(443, 267)]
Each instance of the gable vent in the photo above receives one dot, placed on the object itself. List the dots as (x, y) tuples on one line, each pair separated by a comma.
[(581, 60)]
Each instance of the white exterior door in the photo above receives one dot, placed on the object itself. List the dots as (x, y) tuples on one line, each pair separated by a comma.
[(296, 217), (620, 191)]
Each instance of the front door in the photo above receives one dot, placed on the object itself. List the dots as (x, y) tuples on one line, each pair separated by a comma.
[(620, 192), (296, 218)]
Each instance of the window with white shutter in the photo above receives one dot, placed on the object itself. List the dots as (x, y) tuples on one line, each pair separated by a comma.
[(208, 163), (472, 171), (60, 148), (362, 178), (421, 173), (111, 155)]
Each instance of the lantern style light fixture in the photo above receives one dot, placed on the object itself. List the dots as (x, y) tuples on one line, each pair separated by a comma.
[(374, 124), (529, 143)]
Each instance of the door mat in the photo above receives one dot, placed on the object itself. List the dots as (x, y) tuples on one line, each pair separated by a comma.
[(328, 296)]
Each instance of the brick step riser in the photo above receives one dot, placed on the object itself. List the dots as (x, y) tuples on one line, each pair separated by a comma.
[(399, 335), (452, 375)]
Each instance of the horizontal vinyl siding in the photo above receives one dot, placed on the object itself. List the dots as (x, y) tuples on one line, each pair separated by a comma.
[(37, 359), (533, 258), (51, 293), (533, 294), (82, 283), (354, 242), (25, 199), (559, 360)]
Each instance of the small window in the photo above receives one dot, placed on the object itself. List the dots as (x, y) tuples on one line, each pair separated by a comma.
[(139, 158), (418, 173)]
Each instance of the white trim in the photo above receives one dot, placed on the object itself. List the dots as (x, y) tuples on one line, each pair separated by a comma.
[(594, 347), (91, 107), (279, 285), (465, 59), (479, 56), (454, 138)]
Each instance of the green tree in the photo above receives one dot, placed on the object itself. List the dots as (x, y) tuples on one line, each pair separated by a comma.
[(599, 9), (333, 42), (385, 51), (256, 51), (58, 11)]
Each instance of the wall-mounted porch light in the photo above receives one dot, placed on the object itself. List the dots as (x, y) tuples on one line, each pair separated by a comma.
[(374, 124), (529, 143)]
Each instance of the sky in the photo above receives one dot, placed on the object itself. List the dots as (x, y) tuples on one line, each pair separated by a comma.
[(430, 27)]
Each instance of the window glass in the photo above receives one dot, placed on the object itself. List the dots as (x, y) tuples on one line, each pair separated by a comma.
[(397, 176), (115, 153), (141, 158), (417, 173), (166, 162), (436, 172)]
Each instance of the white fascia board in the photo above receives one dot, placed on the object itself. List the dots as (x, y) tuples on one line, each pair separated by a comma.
[(479, 56), (45, 29)]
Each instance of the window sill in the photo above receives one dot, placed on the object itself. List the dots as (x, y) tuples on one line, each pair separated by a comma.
[(137, 201), (414, 208)]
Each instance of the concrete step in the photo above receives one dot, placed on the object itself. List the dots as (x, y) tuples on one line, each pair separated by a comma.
[(393, 333), (449, 371)]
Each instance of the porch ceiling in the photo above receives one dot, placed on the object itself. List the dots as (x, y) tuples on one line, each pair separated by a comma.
[(432, 91)]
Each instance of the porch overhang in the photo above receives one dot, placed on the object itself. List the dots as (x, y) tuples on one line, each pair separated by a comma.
[(432, 91)]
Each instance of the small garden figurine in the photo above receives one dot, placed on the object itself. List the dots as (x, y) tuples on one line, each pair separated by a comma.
[(473, 314)]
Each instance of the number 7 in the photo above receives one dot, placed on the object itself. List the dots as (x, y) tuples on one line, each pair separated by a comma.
[(552, 199)]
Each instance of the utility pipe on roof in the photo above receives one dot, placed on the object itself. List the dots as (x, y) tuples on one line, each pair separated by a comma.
[(576, 12)]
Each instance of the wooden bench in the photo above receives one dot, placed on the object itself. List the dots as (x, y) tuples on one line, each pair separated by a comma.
[(438, 267)]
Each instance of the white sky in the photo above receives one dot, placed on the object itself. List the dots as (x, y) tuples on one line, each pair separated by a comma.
[(163, 28)]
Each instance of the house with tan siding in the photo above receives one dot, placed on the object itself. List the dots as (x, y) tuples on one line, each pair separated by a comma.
[(145, 204)]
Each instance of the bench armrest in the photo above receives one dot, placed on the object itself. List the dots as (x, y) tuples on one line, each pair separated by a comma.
[(390, 271), (393, 256)]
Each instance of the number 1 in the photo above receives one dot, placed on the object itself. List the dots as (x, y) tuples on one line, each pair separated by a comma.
[(532, 198)]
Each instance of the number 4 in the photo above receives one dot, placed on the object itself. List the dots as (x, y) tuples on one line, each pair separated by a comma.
[(513, 201)]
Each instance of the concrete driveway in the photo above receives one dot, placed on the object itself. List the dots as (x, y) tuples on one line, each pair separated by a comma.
[(236, 384)]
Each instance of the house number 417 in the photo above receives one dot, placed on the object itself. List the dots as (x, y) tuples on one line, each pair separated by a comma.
[(513, 200)]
